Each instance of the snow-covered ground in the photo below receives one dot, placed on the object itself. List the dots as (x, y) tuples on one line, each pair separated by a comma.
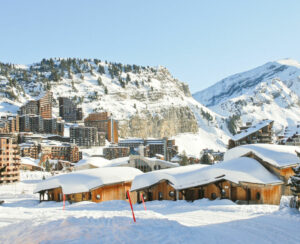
[(24, 220)]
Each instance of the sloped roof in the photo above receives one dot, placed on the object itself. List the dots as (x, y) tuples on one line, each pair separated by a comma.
[(30, 161), (237, 170), (251, 130), (99, 162), (280, 156), (86, 180)]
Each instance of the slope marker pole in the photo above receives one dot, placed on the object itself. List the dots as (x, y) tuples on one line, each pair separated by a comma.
[(128, 195)]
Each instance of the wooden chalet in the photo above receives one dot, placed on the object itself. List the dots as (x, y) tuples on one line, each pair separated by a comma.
[(96, 185), (259, 133), (242, 179), (278, 159)]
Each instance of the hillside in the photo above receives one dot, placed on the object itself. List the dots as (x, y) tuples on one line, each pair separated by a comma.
[(147, 101), (271, 91)]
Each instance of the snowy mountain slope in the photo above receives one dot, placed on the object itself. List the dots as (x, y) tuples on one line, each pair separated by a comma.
[(147, 101), (270, 91), (286, 70)]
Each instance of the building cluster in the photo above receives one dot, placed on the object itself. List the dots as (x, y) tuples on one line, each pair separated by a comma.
[(50, 150), (231, 179)]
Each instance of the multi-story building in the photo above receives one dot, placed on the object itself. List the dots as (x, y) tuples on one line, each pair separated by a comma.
[(42, 107), (84, 136), (68, 110), (31, 123), (29, 149), (104, 123), (31, 107), (9, 124), (60, 151), (251, 134), (9, 160), (45, 106), (54, 126), (116, 152), (152, 147)]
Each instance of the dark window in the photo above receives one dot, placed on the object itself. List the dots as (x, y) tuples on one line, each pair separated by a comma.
[(213, 196), (160, 196), (258, 196)]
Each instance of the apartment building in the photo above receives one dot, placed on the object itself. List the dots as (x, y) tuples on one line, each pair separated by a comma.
[(9, 160), (85, 136), (104, 123)]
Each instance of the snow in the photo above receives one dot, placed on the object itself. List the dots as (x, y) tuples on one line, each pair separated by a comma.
[(252, 129), (99, 162), (24, 220), (30, 161), (237, 170), (84, 181), (280, 156), (192, 144), (270, 91)]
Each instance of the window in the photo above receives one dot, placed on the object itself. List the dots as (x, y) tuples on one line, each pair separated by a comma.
[(258, 196), (171, 193), (98, 197), (213, 196), (160, 196)]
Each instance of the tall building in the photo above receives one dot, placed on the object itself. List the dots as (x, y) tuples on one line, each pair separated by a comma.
[(41, 107), (68, 110), (31, 107), (104, 123), (9, 160), (84, 136), (45, 106), (31, 123)]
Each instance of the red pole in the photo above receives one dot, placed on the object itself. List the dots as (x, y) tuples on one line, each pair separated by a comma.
[(142, 196), (128, 195), (64, 199)]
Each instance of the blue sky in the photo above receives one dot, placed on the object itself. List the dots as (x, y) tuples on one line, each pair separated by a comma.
[(200, 42)]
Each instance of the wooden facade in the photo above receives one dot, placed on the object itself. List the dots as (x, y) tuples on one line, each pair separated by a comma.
[(282, 173), (100, 194), (243, 193)]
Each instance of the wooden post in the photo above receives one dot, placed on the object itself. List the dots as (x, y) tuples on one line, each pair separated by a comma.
[(177, 195), (142, 196), (128, 195)]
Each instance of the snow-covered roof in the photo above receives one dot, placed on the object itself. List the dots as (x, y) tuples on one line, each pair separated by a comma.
[(86, 180), (100, 162), (280, 156), (237, 170), (251, 130), (164, 162), (30, 161)]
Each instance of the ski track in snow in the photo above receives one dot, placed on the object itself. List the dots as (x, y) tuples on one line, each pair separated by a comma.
[(24, 220)]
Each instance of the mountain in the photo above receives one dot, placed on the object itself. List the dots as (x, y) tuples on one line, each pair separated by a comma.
[(147, 101), (270, 91)]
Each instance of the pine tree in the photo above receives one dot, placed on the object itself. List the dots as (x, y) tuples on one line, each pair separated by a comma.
[(128, 79), (105, 90), (99, 80), (294, 182)]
